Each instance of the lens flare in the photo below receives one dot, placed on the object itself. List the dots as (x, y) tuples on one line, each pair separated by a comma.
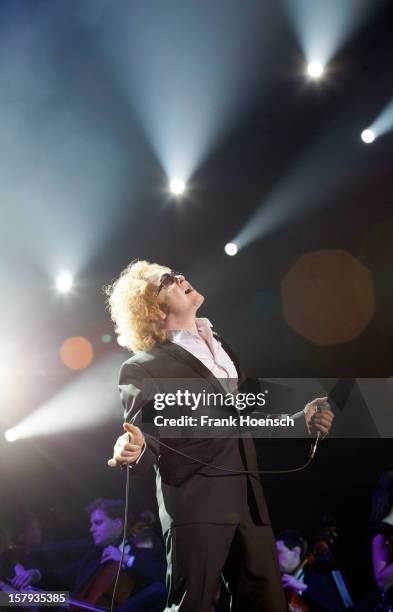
[(76, 353)]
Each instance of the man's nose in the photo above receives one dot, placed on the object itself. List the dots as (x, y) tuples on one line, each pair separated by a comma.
[(180, 278)]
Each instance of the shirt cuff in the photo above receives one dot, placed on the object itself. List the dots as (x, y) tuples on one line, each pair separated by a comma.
[(140, 456)]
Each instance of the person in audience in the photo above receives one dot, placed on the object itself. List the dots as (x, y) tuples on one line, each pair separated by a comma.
[(316, 588), (381, 529), (21, 563), (142, 560)]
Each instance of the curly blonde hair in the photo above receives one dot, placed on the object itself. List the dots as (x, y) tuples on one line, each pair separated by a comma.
[(134, 309)]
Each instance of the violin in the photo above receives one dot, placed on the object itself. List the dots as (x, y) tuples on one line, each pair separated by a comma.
[(96, 594), (320, 552), (294, 602)]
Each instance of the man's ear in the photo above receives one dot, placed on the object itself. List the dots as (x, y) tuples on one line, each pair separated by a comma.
[(160, 316), (297, 550)]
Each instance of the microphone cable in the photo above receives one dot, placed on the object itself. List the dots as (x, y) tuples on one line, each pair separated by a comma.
[(221, 468), (123, 544), (312, 452)]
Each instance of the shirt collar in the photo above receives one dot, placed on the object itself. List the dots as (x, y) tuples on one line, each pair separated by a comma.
[(203, 326)]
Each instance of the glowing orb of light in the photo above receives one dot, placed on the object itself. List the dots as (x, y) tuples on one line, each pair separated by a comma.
[(231, 248), (315, 70), (367, 136), (76, 353), (328, 297), (10, 435), (177, 186), (64, 282)]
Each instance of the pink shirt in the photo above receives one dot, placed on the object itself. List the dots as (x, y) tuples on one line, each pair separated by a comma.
[(206, 348)]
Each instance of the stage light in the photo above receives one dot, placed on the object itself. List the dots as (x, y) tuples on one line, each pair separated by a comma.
[(323, 27), (177, 186), (315, 70), (10, 435), (231, 248), (367, 136), (64, 282)]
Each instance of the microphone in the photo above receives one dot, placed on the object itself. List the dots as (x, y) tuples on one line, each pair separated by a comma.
[(319, 408)]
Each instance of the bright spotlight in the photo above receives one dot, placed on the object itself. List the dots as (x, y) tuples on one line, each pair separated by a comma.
[(315, 70), (367, 136), (10, 435), (64, 282), (177, 186), (231, 248)]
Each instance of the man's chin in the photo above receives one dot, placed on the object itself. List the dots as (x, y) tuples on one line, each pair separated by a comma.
[(98, 543), (199, 298), (197, 301)]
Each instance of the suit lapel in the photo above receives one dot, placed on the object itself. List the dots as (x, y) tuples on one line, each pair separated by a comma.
[(240, 372), (185, 356)]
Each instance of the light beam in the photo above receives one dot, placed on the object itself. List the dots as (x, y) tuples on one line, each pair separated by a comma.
[(89, 400)]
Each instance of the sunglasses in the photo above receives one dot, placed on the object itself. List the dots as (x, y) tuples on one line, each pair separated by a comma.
[(168, 279)]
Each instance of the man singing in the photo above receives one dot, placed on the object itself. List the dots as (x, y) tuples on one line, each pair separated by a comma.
[(214, 522)]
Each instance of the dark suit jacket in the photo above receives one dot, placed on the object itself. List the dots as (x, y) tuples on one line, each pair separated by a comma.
[(188, 492), (148, 566), (322, 594)]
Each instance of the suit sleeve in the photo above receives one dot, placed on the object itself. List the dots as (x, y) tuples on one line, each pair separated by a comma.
[(135, 387), (322, 592), (298, 430)]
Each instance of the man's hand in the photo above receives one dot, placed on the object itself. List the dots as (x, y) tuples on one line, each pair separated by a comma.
[(289, 581), (318, 416), (128, 447), (111, 553), (23, 577)]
